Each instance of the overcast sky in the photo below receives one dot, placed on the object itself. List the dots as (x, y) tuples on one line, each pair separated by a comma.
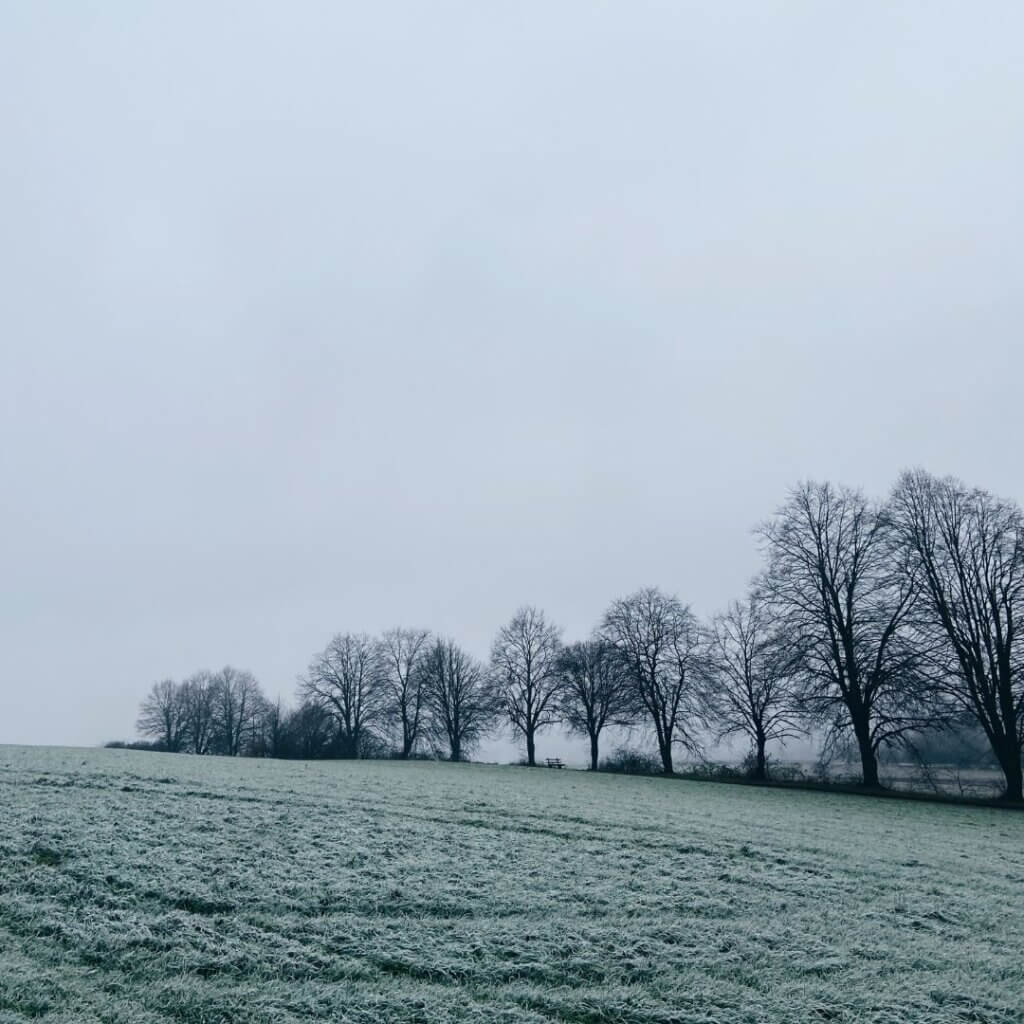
[(327, 317)]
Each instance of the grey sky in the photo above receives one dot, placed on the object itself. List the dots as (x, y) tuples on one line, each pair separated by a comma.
[(321, 317)]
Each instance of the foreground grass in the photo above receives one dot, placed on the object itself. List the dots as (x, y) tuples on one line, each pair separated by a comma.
[(149, 888)]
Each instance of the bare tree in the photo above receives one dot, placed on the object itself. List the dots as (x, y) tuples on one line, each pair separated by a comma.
[(462, 702), (345, 680), (843, 601), (524, 659), (658, 640), (270, 734), (308, 731), (400, 653), (236, 699), (751, 675), (197, 698), (255, 740), (968, 548), (595, 692), (162, 715)]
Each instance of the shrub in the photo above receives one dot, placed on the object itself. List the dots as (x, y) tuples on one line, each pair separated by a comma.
[(632, 762), (787, 772), (716, 772)]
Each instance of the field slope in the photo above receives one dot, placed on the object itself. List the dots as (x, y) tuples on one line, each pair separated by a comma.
[(146, 888)]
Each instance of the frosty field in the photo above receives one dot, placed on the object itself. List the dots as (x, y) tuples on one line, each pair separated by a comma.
[(141, 887)]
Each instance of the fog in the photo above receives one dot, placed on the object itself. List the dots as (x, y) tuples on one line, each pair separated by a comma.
[(329, 317)]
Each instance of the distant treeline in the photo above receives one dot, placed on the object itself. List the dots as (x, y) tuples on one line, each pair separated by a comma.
[(883, 625)]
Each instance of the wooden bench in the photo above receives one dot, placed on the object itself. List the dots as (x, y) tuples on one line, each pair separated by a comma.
[(554, 762)]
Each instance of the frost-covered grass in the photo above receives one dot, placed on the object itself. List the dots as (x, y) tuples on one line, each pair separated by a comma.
[(142, 887)]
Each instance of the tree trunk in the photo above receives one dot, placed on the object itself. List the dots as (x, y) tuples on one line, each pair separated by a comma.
[(761, 764), (531, 751), (456, 751), (1010, 761), (665, 749), (350, 747), (868, 759), (593, 751)]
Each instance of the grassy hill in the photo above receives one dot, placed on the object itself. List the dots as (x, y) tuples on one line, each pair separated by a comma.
[(142, 887)]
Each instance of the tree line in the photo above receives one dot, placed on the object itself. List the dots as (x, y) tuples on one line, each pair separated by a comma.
[(874, 623)]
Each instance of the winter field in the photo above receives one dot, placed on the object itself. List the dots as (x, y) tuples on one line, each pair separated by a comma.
[(141, 887)]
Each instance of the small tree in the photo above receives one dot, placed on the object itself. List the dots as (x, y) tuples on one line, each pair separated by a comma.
[(400, 653), (308, 731), (198, 700), (751, 672), (524, 659), (462, 702), (658, 640), (236, 698), (271, 732), (345, 680), (595, 691), (162, 716)]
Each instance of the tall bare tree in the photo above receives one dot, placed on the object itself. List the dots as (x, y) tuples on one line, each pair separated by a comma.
[(968, 548), (751, 675), (462, 701), (162, 715), (345, 680), (400, 653), (658, 640), (524, 659), (844, 602), (197, 695), (596, 691), (236, 699)]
